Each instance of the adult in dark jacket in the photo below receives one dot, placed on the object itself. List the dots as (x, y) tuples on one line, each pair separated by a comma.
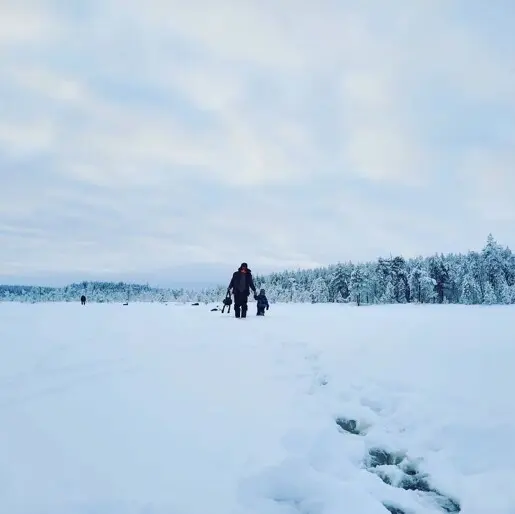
[(241, 284)]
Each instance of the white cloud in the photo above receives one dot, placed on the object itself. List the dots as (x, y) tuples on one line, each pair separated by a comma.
[(295, 134), (49, 84), (239, 32), (25, 23), (489, 183), (20, 138)]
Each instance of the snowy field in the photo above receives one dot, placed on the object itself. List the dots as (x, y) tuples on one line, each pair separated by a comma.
[(314, 409)]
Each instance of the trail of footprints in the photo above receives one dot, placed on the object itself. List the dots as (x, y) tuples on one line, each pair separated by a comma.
[(397, 470), (394, 468)]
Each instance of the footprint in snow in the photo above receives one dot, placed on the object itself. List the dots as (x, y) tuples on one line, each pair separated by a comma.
[(396, 470)]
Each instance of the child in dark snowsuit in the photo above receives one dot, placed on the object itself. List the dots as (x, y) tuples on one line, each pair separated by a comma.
[(262, 302)]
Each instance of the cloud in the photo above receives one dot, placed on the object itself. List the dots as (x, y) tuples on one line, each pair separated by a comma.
[(25, 24), (489, 183), (145, 137)]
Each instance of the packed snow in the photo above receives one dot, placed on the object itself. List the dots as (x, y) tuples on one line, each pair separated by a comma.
[(313, 409)]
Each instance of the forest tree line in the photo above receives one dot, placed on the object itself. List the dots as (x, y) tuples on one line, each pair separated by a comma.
[(477, 277)]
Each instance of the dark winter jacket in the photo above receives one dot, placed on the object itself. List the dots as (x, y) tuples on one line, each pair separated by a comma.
[(262, 301), (242, 283)]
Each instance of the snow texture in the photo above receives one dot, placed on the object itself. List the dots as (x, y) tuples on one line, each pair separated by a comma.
[(313, 409)]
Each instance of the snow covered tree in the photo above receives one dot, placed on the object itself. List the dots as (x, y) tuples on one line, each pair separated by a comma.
[(358, 284), (384, 275), (439, 271), (427, 287), (489, 297), (319, 291), (508, 294), (492, 258), (400, 280), (470, 292), (415, 284), (303, 296), (293, 286), (389, 293), (340, 281)]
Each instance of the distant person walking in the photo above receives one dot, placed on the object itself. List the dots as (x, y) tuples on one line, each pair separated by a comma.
[(83, 300), (241, 285)]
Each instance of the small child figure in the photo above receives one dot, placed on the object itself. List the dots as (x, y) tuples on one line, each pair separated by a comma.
[(262, 303)]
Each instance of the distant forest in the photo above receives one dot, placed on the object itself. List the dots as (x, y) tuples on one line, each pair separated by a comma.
[(478, 277)]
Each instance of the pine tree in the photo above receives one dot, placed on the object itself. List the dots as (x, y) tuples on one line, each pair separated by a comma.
[(508, 294), (489, 297), (358, 283), (470, 292), (400, 280), (427, 287), (389, 293), (439, 271), (495, 264), (293, 287), (415, 284), (340, 281), (319, 291)]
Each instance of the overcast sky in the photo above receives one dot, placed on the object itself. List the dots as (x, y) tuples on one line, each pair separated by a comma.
[(175, 139)]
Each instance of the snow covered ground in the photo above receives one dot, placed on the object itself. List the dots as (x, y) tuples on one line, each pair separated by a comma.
[(314, 409)]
